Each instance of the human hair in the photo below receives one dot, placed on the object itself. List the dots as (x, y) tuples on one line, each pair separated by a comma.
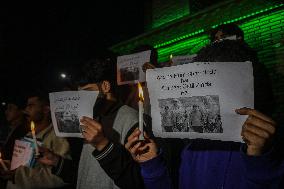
[(16, 99), (41, 94), (228, 30), (97, 70)]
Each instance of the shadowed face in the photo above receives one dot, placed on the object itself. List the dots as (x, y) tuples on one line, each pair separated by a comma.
[(35, 109), (219, 35), (12, 112), (104, 88)]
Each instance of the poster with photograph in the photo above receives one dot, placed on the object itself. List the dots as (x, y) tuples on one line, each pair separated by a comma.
[(23, 154), (129, 67), (199, 100), (67, 108)]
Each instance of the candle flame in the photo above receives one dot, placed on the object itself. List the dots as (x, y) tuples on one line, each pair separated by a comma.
[(32, 126), (171, 56), (141, 96)]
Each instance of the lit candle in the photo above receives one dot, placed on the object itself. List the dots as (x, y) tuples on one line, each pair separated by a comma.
[(3, 164), (171, 60), (34, 138), (141, 111)]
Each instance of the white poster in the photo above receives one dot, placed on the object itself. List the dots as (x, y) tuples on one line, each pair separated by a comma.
[(198, 100), (180, 60), (22, 154), (129, 67), (67, 108)]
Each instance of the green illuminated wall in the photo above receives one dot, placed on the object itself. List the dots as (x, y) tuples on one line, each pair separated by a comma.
[(265, 34), (165, 11), (259, 32)]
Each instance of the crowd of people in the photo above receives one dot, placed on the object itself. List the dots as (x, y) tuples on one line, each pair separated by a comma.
[(111, 155)]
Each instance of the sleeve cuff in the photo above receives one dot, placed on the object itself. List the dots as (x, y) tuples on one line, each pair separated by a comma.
[(264, 156), (58, 168), (99, 155), (260, 168), (153, 167)]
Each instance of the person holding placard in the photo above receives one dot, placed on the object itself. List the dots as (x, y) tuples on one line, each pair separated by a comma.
[(216, 164), (40, 176), (209, 163), (112, 122), (18, 125)]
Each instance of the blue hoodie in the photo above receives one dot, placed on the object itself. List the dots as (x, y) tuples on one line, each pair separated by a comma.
[(212, 164)]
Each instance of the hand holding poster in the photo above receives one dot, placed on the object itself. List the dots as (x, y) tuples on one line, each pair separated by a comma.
[(129, 67), (198, 100), (67, 108)]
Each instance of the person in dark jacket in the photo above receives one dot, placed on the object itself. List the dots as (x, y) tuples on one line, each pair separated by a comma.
[(17, 122), (18, 127), (217, 164), (208, 163)]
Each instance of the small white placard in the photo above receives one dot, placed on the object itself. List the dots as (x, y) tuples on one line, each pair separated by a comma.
[(67, 108)]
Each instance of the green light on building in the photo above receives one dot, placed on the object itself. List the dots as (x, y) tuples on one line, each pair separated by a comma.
[(192, 42)]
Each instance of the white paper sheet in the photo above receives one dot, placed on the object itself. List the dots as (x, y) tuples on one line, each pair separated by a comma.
[(67, 108), (180, 60), (129, 67), (198, 100), (22, 154)]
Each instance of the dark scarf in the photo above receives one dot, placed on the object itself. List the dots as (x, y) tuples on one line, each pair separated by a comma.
[(105, 111)]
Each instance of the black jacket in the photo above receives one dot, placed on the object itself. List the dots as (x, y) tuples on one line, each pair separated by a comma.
[(118, 163)]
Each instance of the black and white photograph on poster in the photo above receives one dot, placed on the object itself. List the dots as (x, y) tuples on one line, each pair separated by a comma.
[(67, 108), (129, 67), (198, 100), (191, 114), (68, 121), (129, 74)]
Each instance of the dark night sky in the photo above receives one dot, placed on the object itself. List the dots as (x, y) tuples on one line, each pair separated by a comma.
[(36, 44)]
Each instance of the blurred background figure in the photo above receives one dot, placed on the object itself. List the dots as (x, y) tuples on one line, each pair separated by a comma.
[(16, 122)]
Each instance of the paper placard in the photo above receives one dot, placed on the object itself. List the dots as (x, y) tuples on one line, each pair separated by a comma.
[(129, 67), (198, 100), (67, 108)]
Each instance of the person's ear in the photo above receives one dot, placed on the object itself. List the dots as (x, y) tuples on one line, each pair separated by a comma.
[(106, 87)]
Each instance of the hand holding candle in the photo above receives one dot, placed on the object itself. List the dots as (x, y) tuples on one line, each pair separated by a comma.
[(34, 138), (2, 163), (141, 111)]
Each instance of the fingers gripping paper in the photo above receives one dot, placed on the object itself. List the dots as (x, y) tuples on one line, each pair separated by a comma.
[(198, 100)]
